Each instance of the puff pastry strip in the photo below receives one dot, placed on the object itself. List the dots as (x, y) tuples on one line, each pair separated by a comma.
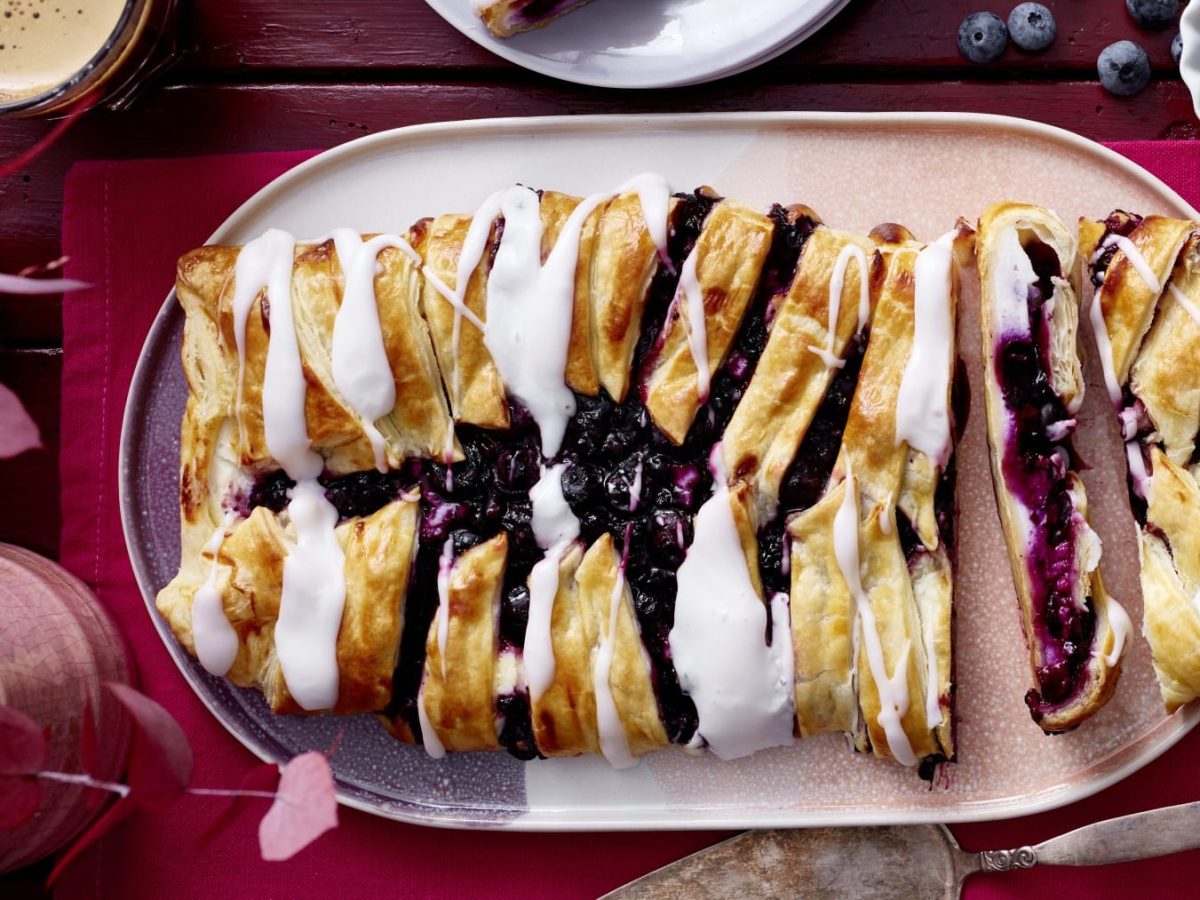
[(871, 584), (1146, 275), (1033, 386)]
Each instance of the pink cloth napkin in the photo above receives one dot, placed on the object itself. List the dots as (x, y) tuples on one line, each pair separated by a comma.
[(123, 230)]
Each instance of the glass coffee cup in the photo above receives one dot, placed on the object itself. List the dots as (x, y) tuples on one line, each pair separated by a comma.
[(55, 54)]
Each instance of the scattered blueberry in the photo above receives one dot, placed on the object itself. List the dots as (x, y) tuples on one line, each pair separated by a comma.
[(982, 37), (1177, 48), (1031, 27), (1152, 13), (1124, 68)]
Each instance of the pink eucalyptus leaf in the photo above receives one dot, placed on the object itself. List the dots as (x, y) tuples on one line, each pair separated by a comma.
[(20, 797), (160, 763), (113, 816), (22, 744), (18, 432), (260, 778), (22, 284), (304, 808)]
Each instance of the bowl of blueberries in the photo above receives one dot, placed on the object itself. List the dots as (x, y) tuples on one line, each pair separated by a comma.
[(1124, 67)]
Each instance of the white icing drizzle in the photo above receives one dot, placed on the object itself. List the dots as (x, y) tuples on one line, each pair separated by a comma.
[(314, 589), (635, 489), (361, 369), (837, 282), (555, 528), (1188, 306), (697, 329), (445, 569), (429, 738), (529, 310), (214, 638), (1122, 628), (1136, 259), (655, 196), (1011, 275), (742, 687), (1104, 347), (1137, 470), (313, 596), (922, 407), (1096, 314), (529, 306), (893, 689), (614, 742)]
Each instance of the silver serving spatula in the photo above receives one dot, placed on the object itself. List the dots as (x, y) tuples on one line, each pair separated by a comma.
[(911, 861)]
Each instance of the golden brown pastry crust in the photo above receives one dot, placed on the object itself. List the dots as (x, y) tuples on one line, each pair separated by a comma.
[(624, 261), (471, 378), (1034, 223), (790, 380), (459, 693), (1156, 342), (629, 678), (730, 253), (378, 551), (564, 717)]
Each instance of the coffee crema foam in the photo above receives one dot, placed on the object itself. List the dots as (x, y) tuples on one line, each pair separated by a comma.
[(44, 42)]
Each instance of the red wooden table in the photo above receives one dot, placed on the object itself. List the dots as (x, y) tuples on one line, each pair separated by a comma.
[(272, 75)]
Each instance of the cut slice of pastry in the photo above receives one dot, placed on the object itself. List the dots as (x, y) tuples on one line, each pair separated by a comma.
[(1145, 315), (504, 18), (1033, 387), (871, 574)]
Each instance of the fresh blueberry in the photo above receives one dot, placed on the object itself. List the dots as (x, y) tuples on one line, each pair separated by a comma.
[(1031, 27), (982, 37), (1152, 13), (1124, 68), (1177, 48)]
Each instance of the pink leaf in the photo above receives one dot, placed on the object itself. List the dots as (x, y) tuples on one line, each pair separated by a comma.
[(304, 809), (23, 284), (22, 744), (18, 432), (260, 778), (20, 797), (160, 763)]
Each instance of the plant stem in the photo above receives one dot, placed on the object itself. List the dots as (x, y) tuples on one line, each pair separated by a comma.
[(86, 781)]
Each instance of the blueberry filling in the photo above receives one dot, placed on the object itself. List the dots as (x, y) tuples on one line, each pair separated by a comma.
[(1119, 223), (609, 448), (537, 10), (1035, 468)]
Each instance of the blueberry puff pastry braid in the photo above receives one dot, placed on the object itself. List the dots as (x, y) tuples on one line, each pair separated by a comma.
[(1146, 276), (1034, 385)]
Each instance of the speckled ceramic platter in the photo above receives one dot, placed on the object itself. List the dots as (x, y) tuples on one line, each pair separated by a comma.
[(921, 170)]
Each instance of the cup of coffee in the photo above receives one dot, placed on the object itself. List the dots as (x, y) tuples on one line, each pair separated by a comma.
[(56, 53)]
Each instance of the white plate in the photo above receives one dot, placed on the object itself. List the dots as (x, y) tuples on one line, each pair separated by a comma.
[(652, 43), (922, 170)]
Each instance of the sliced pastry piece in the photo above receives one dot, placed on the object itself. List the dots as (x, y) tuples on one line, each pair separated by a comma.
[(504, 18), (1145, 314), (1033, 387), (871, 572)]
